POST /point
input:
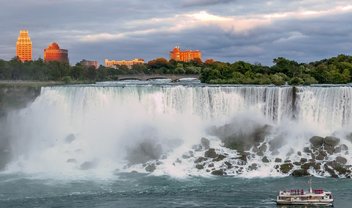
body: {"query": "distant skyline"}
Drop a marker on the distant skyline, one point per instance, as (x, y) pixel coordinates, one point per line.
(225, 30)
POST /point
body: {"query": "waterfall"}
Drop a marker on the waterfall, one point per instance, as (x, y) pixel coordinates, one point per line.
(74, 128)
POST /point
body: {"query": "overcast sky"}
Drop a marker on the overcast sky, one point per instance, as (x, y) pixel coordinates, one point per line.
(227, 30)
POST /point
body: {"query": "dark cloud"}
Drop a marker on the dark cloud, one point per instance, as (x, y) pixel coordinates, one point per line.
(255, 31)
(192, 3)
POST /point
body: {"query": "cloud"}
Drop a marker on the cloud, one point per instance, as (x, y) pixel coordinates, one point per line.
(255, 31)
(193, 3)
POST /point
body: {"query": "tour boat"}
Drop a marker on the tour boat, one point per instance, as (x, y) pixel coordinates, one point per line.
(301, 197)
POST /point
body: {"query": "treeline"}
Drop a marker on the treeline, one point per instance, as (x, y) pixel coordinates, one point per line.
(336, 70)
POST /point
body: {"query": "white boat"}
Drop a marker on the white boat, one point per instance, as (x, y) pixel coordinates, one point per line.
(301, 197)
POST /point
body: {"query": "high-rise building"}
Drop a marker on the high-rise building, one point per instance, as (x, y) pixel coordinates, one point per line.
(128, 63)
(185, 56)
(24, 46)
(54, 53)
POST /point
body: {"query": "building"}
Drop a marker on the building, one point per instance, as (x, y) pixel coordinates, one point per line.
(24, 46)
(185, 56)
(129, 64)
(54, 53)
(87, 63)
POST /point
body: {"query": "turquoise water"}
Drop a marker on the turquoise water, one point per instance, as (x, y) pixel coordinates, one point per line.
(140, 190)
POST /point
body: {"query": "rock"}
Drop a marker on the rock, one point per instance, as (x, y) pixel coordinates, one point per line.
(200, 159)
(243, 157)
(300, 173)
(262, 149)
(205, 142)
(306, 166)
(304, 160)
(321, 155)
(307, 150)
(199, 166)
(265, 159)
(219, 158)
(178, 160)
(285, 168)
(228, 164)
(253, 166)
(210, 153)
(299, 153)
(330, 171)
(297, 163)
(185, 156)
(341, 160)
(316, 141)
(278, 160)
(211, 165)
(218, 172)
(331, 141)
(340, 148)
(150, 168)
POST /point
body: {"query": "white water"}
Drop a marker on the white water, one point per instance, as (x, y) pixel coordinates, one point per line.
(109, 122)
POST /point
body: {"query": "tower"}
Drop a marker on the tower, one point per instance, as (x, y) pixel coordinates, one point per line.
(24, 46)
(54, 53)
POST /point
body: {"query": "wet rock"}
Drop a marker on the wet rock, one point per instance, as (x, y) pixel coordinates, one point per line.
(200, 159)
(228, 164)
(321, 155)
(210, 153)
(70, 138)
(243, 157)
(300, 173)
(330, 171)
(219, 158)
(314, 165)
(340, 148)
(205, 142)
(218, 172)
(199, 166)
(150, 168)
(88, 165)
(307, 150)
(287, 161)
(208, 170)
(178, 160)
(185, 156)
(253, 166)
(278, 160)
(297, 163)
(304, 160)
(285, 168)
(316, 141)
(331, 141)
(341, 160)
(265, 159)
(299, 153)
(211, 165)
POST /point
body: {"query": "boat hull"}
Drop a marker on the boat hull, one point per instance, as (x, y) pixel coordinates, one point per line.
(324, 203)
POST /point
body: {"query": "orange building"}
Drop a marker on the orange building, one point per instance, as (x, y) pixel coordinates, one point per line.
(185, 56)
(24, 46)
(128, 63)
(54, 53)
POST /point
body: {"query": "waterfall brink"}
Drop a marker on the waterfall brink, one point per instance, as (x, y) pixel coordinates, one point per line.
(100, 130)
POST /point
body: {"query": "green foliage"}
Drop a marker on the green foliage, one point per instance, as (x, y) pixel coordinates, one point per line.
(336, 70)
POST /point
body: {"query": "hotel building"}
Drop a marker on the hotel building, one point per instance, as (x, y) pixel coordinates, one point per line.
(54, 53)
(185, 56)
(128, 63)
(24, 46)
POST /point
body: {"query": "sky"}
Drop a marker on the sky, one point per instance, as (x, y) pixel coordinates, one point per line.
(256, 31)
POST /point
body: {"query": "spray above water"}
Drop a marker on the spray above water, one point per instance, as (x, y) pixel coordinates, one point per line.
(146, 128)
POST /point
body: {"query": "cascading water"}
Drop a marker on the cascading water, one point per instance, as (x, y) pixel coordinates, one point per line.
(101, 130)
